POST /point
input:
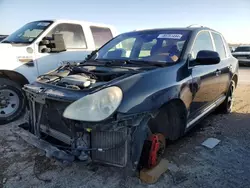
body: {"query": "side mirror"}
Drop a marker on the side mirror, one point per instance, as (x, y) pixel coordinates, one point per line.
(52, 45)
(206, 57)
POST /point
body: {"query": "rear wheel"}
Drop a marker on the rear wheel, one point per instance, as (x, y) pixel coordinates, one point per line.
(227, 106)
(12, 101)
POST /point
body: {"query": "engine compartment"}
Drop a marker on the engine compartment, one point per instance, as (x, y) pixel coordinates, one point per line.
(80, 77)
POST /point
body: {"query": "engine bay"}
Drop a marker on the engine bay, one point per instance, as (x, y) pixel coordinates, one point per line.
(80, 77)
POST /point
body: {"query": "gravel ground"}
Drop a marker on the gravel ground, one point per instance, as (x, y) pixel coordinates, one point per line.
(191, 165)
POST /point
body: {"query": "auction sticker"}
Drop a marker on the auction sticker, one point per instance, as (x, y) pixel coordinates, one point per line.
(170, 36)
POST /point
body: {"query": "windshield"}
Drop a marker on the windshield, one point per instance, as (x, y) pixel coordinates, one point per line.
(28, 33)
(156, 45)
(243, 49)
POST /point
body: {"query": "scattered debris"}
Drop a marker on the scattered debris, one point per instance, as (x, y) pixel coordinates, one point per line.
(211, 143)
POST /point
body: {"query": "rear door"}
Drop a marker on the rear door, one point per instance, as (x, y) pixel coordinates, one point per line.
(205, 82)
(224, 67)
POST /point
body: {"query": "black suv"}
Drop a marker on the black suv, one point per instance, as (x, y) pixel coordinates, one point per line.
(142, 87)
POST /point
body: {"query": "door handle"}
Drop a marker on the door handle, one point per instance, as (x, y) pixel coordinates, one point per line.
(218, 72)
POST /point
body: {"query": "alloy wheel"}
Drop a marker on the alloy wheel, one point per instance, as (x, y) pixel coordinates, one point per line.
(9, 102)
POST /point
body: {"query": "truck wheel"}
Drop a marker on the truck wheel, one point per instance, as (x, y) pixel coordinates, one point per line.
(227, 106)
(12, 101)
(170, 121)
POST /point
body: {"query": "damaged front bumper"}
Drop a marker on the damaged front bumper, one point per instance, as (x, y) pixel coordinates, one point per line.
(117, 141)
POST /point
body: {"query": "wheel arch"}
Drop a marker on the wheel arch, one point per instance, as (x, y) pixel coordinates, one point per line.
(235, 79)
(178, 102)
(14, 76)
(155, 124)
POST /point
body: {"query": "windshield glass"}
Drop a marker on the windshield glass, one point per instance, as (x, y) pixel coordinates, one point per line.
(154, 45)
(28, 33)
(243, 49)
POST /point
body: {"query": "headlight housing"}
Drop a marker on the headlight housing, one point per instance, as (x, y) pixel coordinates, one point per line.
(95, 107)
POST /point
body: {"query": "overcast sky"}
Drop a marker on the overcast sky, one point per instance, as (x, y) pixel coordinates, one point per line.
(230, 17)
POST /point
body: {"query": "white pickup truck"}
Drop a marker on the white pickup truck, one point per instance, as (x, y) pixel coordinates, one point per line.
(29, 52)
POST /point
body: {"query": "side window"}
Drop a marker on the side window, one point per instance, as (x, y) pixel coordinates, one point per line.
(73, 35)
(203, 42)
(146, 48)
(101, 35)
(219, 45)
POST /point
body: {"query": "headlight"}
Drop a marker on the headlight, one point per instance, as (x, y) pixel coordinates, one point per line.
(95, 107)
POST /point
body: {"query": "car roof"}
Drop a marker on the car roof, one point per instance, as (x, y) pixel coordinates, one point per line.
(194, 29)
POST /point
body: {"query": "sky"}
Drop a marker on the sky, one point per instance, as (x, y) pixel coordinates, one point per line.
(230, 17)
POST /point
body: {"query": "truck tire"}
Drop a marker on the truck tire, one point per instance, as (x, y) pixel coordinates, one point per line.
(227, 106)
(12, 101)
(170, 121)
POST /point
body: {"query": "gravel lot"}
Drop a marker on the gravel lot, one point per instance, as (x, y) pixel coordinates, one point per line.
(191, 165)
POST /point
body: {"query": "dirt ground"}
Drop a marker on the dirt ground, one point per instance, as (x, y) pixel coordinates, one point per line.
(191, 164)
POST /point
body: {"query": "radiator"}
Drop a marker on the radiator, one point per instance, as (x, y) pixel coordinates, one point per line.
(108, 139)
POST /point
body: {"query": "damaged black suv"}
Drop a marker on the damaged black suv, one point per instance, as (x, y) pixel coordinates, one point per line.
(120, 104)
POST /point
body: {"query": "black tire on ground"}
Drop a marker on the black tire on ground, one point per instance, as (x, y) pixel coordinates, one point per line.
(227, 106)
(170, 121)
(17, 101)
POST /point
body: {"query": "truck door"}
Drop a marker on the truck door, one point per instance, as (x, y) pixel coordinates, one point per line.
(76, 48)
(205, 82)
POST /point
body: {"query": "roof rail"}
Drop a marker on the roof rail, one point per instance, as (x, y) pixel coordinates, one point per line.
(195, 25)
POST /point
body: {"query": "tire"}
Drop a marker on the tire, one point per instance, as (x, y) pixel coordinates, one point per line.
(227, 106)
(12, 101)
(170, 121)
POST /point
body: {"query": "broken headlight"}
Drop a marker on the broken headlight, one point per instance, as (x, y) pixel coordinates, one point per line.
(95, 107)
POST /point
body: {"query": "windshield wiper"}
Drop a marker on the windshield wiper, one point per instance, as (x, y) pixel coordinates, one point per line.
(5, 41)
(11, 42)
(147, 63)
(131, 61)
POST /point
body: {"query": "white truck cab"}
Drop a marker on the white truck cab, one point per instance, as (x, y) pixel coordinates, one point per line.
(23, 59)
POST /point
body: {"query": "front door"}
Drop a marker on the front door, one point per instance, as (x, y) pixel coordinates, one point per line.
(75, 44)
(205, 77)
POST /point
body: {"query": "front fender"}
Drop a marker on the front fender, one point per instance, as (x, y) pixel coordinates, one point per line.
(155, 88)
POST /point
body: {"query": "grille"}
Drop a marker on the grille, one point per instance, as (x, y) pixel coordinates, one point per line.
(52, 116)
(116, 156)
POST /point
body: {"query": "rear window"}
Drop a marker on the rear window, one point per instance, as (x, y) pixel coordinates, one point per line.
(219, 45)
(101, 35)
(243, 49)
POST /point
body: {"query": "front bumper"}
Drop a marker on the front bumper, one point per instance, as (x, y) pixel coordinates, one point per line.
(117, 141)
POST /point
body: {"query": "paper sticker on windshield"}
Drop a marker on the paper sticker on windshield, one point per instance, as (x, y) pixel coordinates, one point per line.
(170, 36)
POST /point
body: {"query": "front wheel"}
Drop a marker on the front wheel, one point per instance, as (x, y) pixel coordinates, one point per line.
(227, 106)
(12, 101)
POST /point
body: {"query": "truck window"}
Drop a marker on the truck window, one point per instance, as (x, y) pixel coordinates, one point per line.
(203, 42)
(101, 35)
(219, 45)
(73, 35)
